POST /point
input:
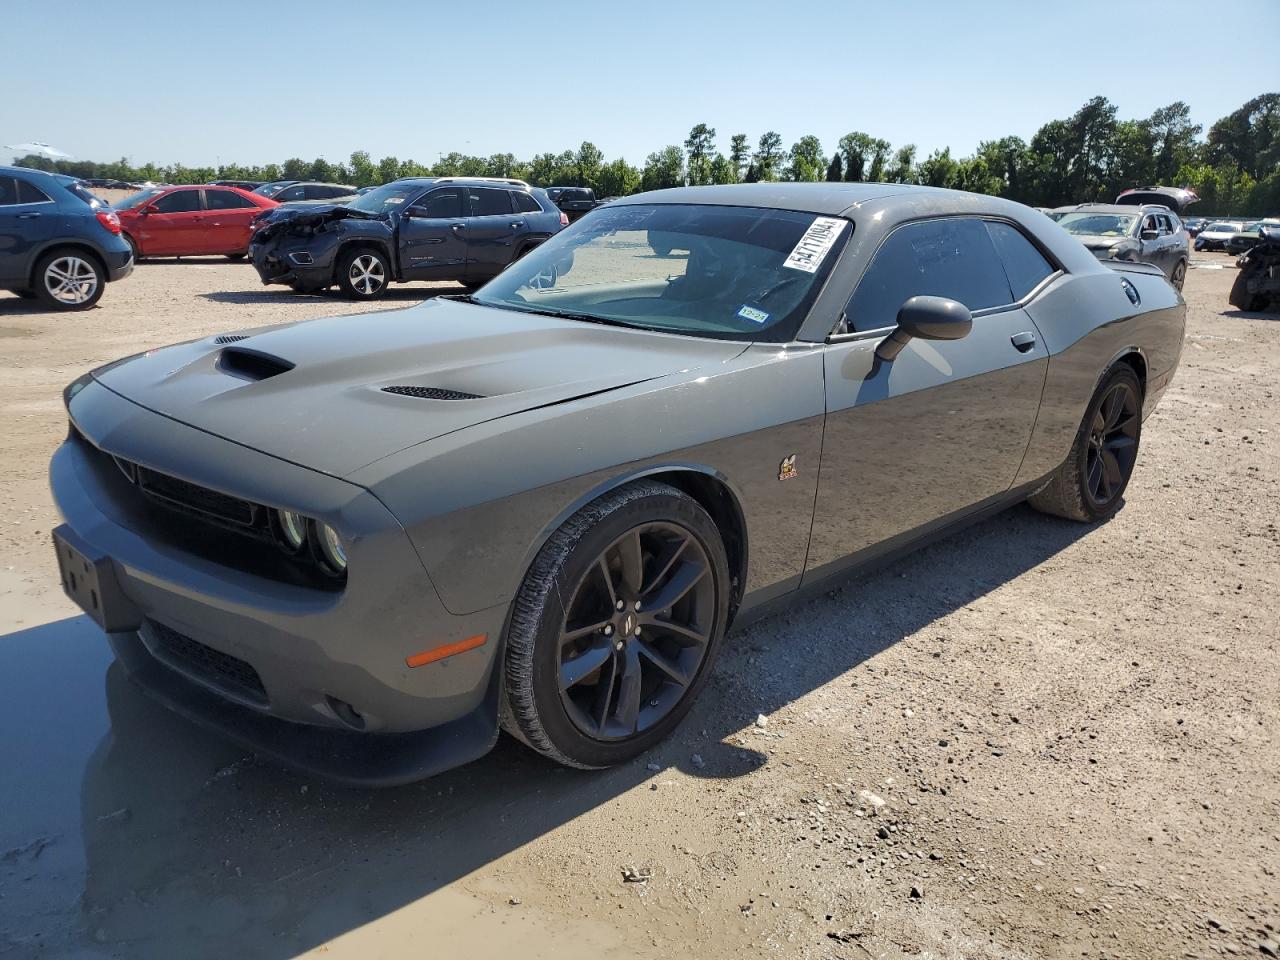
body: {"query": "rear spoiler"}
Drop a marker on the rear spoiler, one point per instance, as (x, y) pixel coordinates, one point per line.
(1133, 266)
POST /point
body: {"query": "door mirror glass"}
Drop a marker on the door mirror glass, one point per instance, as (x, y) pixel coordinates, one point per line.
(1150, 234)
(928, 318)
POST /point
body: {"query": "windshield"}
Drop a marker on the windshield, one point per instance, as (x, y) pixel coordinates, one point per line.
(385, 198)
(1222, 228)
(1097, 224)
(729, 273)
(136, 199)
(269, 190)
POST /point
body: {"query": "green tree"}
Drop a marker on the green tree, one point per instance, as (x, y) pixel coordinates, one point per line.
(321, 170)
(1249, 137)
(618, 178)
(363, 172)
(806, 160)
(1006, 161)
(721, 170)
(768, 155)
(1174, 137)
(752, 175)
(388, 169)
(699, 146)
(664, 168)
(937, 169)
(586, 166)
(856, 148)
(501, 165)
(739, 155)
(903, 168)
(295, 169)
(835, 172)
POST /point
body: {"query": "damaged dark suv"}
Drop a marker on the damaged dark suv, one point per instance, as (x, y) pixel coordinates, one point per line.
(429, 228)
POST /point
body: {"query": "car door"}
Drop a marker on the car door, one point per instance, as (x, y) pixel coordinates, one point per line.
(432, 236)
(26, 221)
(941, 429)
(227, 216)
(492, 231)
(173, 224)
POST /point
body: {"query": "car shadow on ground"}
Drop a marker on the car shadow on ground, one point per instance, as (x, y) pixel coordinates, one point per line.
(187, 841)
(1271, 314)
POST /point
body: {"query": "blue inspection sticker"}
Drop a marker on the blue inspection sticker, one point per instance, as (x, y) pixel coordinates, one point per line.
(754, 314)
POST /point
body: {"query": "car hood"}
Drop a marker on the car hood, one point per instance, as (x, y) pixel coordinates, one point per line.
(1096, 242)
(315, 394)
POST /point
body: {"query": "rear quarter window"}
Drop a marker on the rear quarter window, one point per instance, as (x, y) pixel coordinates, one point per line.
(525, 203)
(1025, 266)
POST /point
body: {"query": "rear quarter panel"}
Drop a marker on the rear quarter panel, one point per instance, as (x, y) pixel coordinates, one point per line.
(1087, 323)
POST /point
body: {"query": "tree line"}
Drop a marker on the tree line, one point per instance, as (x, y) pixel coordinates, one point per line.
(1090, 156)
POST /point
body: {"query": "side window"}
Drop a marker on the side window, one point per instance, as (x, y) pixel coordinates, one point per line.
(1149, 222)
(30, 194)
(318, 191)
(226, 200)
(8, 191)
(1024, 265)
(943, 258)
(489, 203)
(182, 201)
(442, 204)
(288, 194)
(1166, 223)
(525, 202)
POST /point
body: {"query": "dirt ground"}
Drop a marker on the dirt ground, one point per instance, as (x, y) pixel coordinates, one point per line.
(1033, 739)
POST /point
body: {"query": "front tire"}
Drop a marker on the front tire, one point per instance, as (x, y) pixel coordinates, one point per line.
(363, 273)
(69, 280)
(1179, 276)
(1091, 482)
(616, 627)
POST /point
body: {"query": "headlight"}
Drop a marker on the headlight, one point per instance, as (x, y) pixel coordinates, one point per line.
(333, 555)
(292, 529)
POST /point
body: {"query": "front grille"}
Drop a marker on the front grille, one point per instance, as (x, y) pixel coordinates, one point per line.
(200, 500)
(213, 667)
(432, 393)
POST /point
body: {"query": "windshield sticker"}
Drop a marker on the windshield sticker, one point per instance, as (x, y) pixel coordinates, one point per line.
(753, 314)
(814, 246)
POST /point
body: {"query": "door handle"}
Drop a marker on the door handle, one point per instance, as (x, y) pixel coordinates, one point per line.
(1024, 341)
(28, 216)
(455, 227)
(517, 225)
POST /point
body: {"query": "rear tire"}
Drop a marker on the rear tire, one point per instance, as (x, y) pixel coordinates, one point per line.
(363, 273)
(1179, 275)
(1090, 484)
(616, 627)
(26, 294)
(69, 280)
(133, 245)
(235, 256)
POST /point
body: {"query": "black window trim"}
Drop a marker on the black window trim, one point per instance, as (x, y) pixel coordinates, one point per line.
(1032, 294)
(28, 203)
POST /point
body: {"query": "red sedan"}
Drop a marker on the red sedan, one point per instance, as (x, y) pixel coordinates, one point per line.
(188, 221)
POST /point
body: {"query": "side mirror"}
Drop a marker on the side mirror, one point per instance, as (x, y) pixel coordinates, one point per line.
(1150, 234)
(929, 318)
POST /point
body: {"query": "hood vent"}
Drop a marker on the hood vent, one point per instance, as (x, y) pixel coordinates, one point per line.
(252, 364)
(432, 393)
(231, 338)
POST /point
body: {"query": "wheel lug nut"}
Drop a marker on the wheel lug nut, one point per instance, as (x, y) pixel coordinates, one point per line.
(621, 604)
(608, 630)
(636, 631)
(637, 605)
(618, 645)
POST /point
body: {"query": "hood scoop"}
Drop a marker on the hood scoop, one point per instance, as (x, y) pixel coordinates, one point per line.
(231, 338)
(432, 393)
(251, 364)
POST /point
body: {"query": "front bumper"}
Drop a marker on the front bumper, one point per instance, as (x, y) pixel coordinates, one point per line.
(273, 661)
(271, 258)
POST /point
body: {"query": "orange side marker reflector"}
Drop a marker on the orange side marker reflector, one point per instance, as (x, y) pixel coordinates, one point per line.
(448, 650)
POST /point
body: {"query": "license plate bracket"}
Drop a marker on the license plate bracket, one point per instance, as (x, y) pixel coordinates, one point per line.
(89, 579)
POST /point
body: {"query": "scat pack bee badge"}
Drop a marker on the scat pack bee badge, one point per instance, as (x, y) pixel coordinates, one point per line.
(787, 468)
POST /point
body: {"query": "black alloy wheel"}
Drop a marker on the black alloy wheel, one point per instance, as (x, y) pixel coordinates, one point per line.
(1113, 443)
(616, 627)
(636, 631)
(1179, 276)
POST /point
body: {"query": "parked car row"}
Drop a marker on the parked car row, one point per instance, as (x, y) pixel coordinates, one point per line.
(1141, 226)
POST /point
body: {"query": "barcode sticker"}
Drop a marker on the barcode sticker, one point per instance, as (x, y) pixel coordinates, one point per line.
(816, 243)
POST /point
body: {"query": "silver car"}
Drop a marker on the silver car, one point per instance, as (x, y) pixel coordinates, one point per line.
(361, 544)
(1147, 234)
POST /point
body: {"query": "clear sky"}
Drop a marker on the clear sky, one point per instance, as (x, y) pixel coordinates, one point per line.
(261, 82)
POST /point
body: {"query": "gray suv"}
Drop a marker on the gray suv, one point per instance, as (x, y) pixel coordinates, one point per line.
(1152, 234)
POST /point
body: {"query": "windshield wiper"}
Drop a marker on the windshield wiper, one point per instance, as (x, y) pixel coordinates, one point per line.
(570, 315)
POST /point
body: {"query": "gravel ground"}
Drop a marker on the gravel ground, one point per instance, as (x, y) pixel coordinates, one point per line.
(1033, 739)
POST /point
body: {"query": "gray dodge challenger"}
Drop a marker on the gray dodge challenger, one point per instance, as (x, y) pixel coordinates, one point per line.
(361, 545)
